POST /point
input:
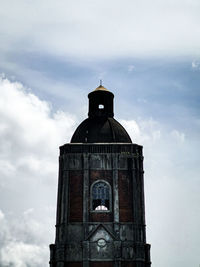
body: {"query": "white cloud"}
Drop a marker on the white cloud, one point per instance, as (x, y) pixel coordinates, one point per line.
(30, 134)
(132, 128)
(101, 28)
(15, 250)
(131, 68)
(178, 136)
(26, 122)
(171, 165)
(1, 215)
(19, 254)
(195, 65)
(142, 131)
(25, 239)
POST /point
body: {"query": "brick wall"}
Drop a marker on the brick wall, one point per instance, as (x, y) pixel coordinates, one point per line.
(125, 196)
(75, 196)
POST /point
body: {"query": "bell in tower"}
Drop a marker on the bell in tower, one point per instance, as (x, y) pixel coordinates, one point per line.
(100, 205)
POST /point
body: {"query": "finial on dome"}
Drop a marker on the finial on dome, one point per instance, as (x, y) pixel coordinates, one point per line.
(101, 87)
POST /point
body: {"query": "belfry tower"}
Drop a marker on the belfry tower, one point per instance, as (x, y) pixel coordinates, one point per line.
(100, 206)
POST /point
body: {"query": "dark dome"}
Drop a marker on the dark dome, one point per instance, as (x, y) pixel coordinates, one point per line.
(100, 127)
(100, 130)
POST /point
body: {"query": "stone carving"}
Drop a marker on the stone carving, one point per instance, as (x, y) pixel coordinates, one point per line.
(128, 252)
(117, 249)
(74, 252)
(60, 254)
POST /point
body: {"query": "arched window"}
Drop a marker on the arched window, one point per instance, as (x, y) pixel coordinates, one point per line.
(100, 196)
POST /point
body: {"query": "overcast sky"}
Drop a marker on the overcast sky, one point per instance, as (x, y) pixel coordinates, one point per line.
(52, 54)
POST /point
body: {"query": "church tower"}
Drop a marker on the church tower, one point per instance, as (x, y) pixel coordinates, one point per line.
(100, 205)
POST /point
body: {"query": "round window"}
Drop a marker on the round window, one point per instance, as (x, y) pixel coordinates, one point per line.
(101, 243)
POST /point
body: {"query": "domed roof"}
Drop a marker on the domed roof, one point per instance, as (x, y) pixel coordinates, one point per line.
(100, 127)
(100, 130)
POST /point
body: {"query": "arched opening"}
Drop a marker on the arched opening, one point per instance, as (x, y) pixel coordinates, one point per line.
(101, 106)
(101, 196)
(101, 207)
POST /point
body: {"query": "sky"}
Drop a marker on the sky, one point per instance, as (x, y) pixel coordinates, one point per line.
(52, 54)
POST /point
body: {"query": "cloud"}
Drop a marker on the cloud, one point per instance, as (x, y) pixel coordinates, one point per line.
(101, 29)
(15, 250)
(142, 131)
(26, 122)
(30, 134)
(195, 65)
(179, 136)
(19, 254)
(171, 165)
(131, 68)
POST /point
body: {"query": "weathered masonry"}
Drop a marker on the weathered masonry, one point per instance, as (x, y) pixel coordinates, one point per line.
(100, 206)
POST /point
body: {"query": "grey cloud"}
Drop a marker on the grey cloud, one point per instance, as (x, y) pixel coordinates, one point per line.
(104, 29)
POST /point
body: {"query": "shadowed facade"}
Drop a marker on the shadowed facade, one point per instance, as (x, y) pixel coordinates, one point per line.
(100, 205)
